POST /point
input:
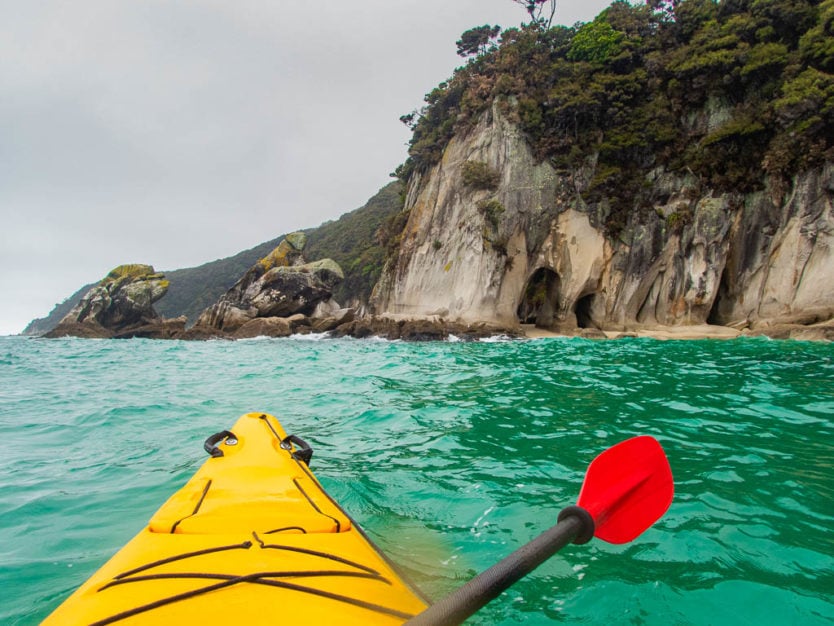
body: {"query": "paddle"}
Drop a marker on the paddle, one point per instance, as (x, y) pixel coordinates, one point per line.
(627, 488)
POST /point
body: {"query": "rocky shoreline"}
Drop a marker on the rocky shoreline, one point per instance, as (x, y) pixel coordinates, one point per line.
(427, 329)
(774, 330)
(358, 328)
(283, 295)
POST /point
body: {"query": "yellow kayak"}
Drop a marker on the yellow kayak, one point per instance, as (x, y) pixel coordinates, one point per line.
(251, 539)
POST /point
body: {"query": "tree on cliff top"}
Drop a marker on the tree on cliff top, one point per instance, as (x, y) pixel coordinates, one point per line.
(631, 90)
(536, 8)
(476, 40)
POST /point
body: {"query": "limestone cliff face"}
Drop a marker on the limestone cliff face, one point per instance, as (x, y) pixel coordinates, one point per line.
(452, 260)
(525, 247)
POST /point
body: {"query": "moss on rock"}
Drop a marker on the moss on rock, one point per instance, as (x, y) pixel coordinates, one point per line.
(131, 270)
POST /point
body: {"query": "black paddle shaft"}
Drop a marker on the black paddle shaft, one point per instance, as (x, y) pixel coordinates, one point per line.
(575, 525)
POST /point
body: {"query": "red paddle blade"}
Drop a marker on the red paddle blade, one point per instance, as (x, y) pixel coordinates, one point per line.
(627, 489)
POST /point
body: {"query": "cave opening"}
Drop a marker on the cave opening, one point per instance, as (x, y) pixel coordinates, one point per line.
(717, 314)
(540, 298)
(583, 308)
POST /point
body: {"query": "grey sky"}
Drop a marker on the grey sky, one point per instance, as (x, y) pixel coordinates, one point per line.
(175, 133)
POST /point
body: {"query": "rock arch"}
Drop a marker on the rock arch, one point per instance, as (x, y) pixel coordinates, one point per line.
(540, 298)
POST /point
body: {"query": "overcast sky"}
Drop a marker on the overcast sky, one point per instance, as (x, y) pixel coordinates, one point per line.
(175, 133)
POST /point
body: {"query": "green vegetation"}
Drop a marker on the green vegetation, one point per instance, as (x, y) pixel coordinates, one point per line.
(596, 42)
(729, 91)
(479, 175)
(477, 40)
(680, 217)
(492, 210)
(130, 270)
(360, 242)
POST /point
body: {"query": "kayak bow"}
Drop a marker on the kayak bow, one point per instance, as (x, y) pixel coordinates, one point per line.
(252, 535)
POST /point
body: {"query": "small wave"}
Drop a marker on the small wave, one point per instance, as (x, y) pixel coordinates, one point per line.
(497, 339)
(309, 336)
(376, 339)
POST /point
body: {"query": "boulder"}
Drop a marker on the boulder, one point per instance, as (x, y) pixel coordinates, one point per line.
(425, 330)
(286, 254)
(88, 330)
(326, 324)
(162, 329)
(264, 327)
(298, 322)
(281, 284)
(591, 333)
(816, 332)
(811, 332)
(202, 333)
(285, 291)
(420, 329)
(383, 327)
(121, 302)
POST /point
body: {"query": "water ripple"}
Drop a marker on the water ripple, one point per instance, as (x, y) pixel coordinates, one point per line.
(450, 455)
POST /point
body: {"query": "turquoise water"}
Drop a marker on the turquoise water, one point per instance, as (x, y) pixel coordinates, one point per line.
(450, 455)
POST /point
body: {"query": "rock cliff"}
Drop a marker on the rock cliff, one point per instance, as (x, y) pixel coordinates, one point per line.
(516, 243)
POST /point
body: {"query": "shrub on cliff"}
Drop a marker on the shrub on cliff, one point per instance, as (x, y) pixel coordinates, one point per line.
(479, 175)
(492, 210)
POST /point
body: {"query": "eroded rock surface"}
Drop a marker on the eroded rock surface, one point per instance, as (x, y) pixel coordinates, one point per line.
(120, 305)
(280, 285)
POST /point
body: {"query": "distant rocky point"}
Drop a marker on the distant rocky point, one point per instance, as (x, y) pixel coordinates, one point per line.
(279, 295)
(120, 306)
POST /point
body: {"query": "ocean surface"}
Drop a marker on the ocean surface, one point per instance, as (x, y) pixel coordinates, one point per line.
(450, 455)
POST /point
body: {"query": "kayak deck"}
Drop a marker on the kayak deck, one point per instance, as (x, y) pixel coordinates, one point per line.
(252, 538)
